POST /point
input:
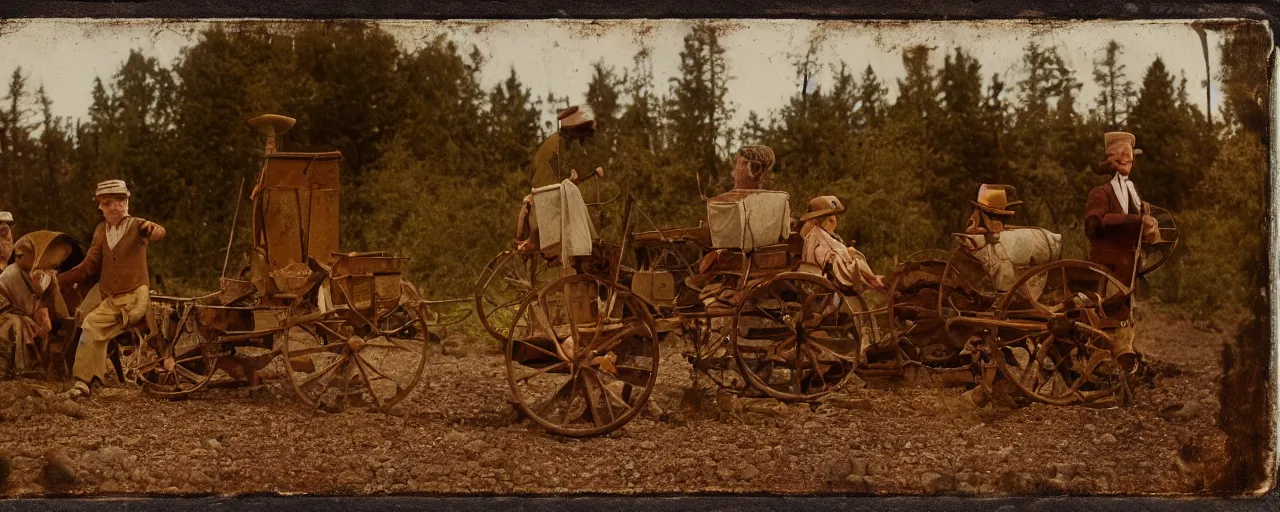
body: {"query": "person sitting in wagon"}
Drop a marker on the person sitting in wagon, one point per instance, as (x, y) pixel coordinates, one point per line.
(26, 293)
(548, 170)
(117, 260)
(843, 265)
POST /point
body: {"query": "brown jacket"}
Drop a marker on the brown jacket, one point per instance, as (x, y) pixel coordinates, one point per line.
(1113, 234)
(117, 271)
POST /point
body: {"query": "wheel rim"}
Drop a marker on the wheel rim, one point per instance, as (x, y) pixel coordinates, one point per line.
(183, 359)
(503, 284)
(795, 337)
(330, 366)
(572, 377)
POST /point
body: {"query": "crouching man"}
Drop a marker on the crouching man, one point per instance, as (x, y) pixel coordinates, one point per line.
(117, 261)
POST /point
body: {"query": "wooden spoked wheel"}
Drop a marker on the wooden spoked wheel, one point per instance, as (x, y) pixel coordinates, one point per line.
(1058, 349)
(329, 365)
(177, 358)
(588, 359)
(795, 337)
(914, 317)
(710, 353)
(504, 284)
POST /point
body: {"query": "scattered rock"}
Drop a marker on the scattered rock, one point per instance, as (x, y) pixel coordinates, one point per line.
(1107, 438)
(1090, 427)
(492, 458)
(42, 392)
(58, 471)
(475, 447)
(749, 472)
(1182, 411)
(648, 445)
(840, 471)
(455, 437)
(1066, 471)
(724, 471)
(859, 468)
(6, 467)
(68, 408)
(212, 444)
(938, 483)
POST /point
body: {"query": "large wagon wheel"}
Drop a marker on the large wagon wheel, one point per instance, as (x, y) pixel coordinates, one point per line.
(795, 336)
(338, 358)
(504, 283)
(589, 360)
(1056, 314)
(914, 317)
(180, 357)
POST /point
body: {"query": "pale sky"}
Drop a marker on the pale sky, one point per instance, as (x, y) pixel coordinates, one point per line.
(556, 55)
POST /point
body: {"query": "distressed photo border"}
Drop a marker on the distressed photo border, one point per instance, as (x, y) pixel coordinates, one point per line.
(1254, 364)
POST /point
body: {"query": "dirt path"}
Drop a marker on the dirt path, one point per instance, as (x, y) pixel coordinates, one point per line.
(455, 436)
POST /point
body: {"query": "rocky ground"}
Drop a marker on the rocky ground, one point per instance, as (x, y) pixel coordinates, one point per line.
(456, 436)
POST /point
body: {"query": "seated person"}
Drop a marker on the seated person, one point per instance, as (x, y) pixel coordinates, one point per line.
(26, 294)
(548, 168)
(845, 266)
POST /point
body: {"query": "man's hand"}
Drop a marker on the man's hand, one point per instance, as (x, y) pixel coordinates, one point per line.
(151, 231)
(43, 324)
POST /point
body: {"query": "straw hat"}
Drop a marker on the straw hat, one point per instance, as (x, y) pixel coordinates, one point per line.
(574, 118)
(6, 217)
(822, 206)
(1113, 138)
(997, 199)
(111, 187)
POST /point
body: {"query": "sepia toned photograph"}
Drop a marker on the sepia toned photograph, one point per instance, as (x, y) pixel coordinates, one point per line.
(635, 257)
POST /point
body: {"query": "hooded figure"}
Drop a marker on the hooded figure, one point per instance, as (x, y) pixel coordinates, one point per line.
(845, 266)
(28, 290)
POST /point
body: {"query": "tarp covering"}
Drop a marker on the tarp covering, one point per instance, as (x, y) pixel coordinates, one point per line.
(1014, 250)
(563, 219)
(747, 219)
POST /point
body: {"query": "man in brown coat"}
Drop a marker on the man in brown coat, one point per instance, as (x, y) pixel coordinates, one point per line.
(117, 260)
(1115, 216)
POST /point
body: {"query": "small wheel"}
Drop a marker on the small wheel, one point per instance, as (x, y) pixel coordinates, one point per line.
(795, 336)
(587, 361)
(504, 283)
(913, 313)
(1156, 254)
(329, 365)
(180, 359)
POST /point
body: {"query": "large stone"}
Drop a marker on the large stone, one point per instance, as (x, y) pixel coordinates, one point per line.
(58, 470)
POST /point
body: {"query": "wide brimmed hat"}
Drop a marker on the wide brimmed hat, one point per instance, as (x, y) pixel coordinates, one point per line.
(1111, 138)
(6, 217)
(111, 187)
(997, 199)
(822, 206)
(575, 118)
(53, 250)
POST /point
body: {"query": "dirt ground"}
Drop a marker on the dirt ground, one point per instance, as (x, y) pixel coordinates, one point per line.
(455, 435)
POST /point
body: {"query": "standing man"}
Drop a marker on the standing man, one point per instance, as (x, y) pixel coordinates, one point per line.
(117, 260)
(6, 238)
(548, 167)
(1115, 215)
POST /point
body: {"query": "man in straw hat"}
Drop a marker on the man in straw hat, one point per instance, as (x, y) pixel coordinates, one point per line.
(6, 238)
(117, 260)
(992, 210)
(844, 265)
(1115, 215)
(548, 166)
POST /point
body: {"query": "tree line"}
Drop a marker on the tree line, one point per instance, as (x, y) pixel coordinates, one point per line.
(435, 161)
